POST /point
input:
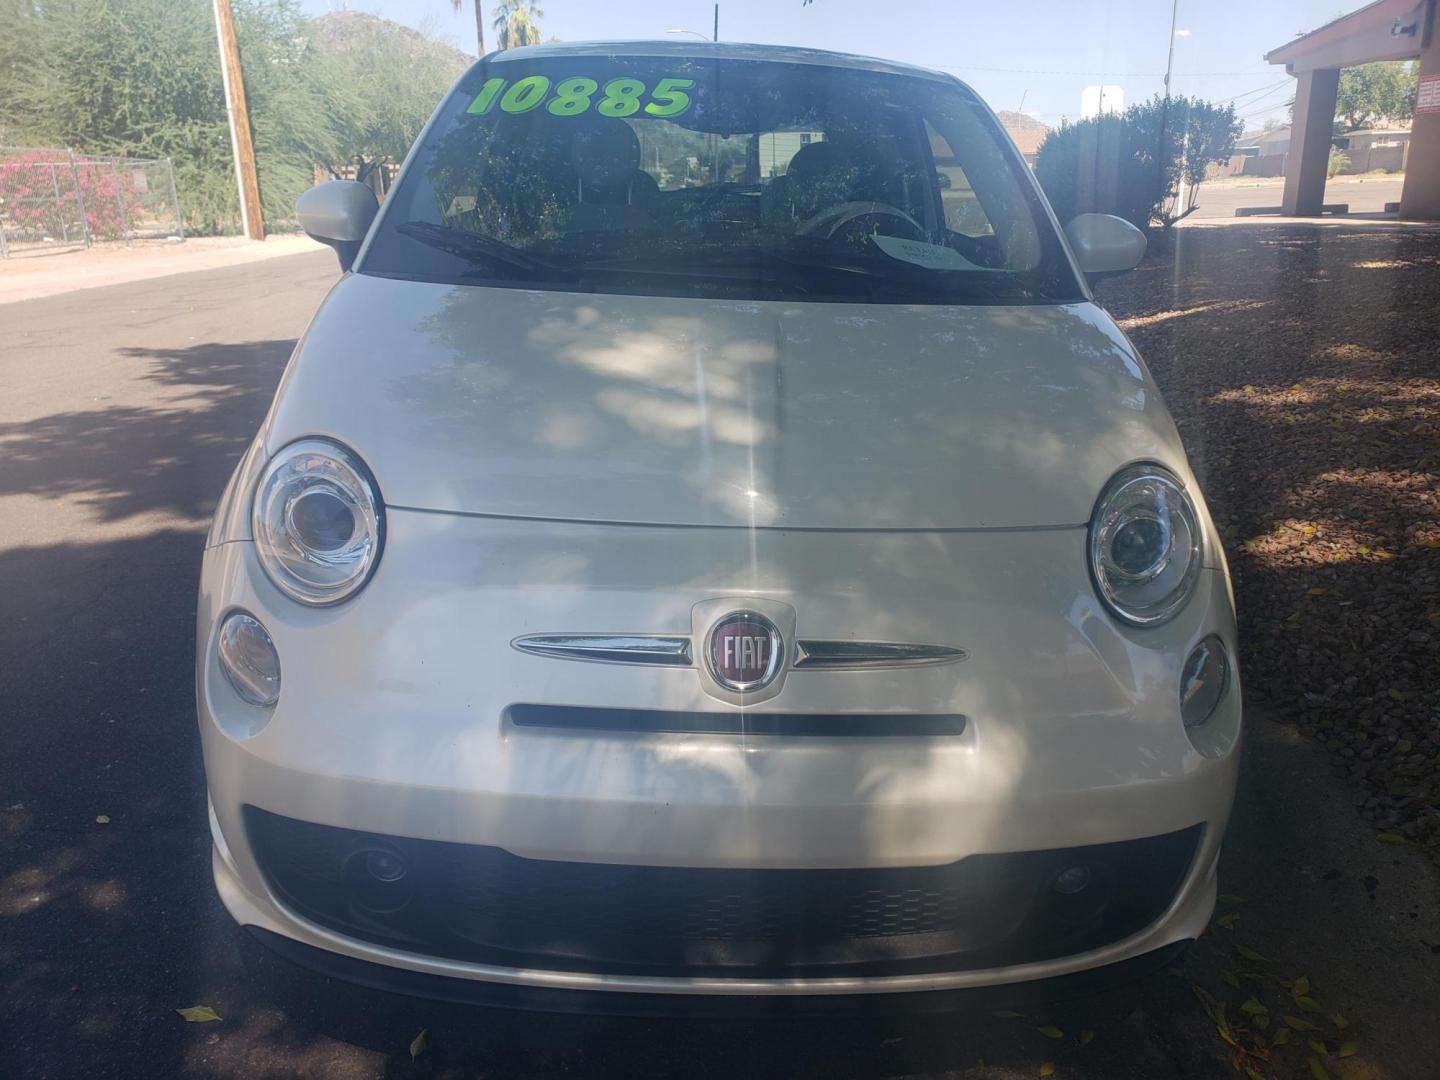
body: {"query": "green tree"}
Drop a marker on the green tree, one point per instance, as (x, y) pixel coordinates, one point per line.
(387, 80)
(516, 23)
(141, 78)
(1131, 164)
(296, 113)
(1372, 93)
(1207, 134)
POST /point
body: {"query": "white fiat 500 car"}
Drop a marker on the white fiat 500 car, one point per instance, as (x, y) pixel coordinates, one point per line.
(710, 542)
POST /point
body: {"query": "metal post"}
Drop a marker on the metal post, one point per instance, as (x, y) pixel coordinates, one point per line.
(1170, 60)
(717, 23)
(175, 199)
(1165, 107)
(80, 198)
(59, 205)
(120, 204)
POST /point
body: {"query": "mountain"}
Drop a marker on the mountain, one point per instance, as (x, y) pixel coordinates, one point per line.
(356, 31)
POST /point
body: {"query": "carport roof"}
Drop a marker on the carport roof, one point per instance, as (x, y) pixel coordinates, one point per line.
(1360, 37)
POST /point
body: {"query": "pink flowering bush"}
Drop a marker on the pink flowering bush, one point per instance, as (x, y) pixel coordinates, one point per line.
(29, 203)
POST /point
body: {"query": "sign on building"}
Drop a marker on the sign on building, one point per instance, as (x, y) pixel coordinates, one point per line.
(1427, 98)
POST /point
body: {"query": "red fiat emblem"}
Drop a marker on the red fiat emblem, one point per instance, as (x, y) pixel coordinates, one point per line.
(745, 651)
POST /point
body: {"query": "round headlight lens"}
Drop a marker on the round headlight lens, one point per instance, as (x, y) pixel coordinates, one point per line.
(1145, 545)
(249, 660)
(318, 522)
(1203, 681)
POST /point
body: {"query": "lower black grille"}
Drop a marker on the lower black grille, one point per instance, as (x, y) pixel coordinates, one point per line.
(486, 905)
(735, 722)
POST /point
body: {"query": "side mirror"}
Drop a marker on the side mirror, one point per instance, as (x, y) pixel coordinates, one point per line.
(1105, 244)
(338, 213)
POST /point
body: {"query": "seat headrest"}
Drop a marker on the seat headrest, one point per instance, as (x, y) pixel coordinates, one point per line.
(606, 154)
(815, 159)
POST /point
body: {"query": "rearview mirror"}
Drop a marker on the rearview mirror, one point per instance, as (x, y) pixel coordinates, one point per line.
(1105, 244)
(338, 213)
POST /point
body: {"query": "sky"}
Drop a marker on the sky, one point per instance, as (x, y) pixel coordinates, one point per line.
(1031, 55)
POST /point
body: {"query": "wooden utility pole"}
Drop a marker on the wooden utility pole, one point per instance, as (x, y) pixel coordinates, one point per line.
(251, 219)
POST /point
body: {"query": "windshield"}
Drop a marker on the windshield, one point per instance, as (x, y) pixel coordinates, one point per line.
(683, 176)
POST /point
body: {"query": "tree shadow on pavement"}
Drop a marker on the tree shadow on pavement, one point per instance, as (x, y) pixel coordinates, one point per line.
(172, 455)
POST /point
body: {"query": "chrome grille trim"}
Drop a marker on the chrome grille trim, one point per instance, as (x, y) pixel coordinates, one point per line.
(663, 650)
(856, 655)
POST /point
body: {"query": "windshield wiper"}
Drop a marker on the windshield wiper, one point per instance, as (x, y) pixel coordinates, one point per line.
(470, 245)
(901, 276)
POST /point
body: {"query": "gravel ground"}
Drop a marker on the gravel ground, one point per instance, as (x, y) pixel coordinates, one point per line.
(1303, 367)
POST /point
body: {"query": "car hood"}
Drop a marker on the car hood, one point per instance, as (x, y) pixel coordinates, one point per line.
(724, 413)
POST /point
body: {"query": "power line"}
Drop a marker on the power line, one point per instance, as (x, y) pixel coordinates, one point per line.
(1261, 111)
(1262, 91)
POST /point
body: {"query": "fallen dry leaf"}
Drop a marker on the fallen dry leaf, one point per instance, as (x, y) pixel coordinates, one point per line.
(199, 1014)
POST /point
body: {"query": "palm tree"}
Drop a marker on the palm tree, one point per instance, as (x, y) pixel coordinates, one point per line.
(479, 25)
(516, 23)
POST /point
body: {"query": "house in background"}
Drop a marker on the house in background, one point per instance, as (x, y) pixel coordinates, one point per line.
(1368, 150)
(1027, 132)
(1263, 153)
(1259, 153)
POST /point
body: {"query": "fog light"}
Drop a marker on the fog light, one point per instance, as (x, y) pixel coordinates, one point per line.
(379, 878)
(385, 865)
(249, 660)
(1080, 894)
(1203, 681)
(1069, 882)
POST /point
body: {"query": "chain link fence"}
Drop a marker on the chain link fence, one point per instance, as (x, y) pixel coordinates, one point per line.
(56, 198)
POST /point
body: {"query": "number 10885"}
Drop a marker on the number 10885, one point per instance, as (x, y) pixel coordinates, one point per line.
(578, 95)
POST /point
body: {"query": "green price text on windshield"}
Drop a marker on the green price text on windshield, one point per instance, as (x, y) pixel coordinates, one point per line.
(578, 95)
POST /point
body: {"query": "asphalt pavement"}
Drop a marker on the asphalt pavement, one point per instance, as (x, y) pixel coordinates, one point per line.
(122, 411)
(1219, 199)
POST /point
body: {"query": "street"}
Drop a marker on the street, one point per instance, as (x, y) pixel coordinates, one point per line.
(1219, 199)
(122, 411)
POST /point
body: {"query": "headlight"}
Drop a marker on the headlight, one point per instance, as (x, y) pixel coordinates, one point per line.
(1144, 545)
(318, 522)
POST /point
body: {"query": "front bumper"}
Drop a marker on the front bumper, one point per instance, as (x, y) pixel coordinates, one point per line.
(394, 721)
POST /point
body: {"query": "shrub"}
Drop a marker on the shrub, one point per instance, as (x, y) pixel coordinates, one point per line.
(1339, 161)
(1131, 164)
(29, 203)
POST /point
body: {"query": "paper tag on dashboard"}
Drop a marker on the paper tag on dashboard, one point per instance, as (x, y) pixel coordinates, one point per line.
(930, 256)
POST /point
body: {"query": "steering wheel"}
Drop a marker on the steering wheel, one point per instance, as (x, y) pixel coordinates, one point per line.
(829, 223)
